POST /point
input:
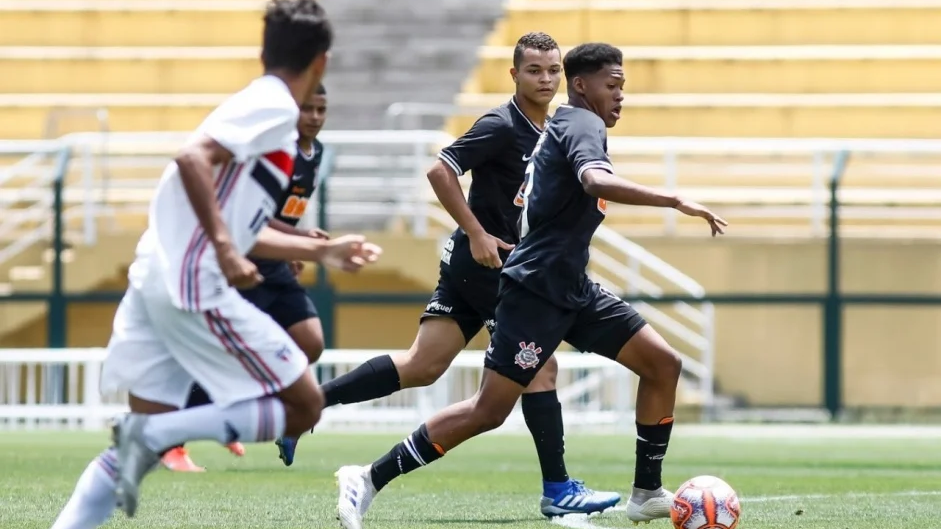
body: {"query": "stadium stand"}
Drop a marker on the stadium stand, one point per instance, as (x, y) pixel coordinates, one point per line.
(729, 99)
(754, 69)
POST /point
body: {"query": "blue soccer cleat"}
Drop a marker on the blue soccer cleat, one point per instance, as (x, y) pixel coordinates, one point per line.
(573, 497)
(286, 447)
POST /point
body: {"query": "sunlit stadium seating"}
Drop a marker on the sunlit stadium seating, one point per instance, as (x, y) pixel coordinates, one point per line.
(753, 69)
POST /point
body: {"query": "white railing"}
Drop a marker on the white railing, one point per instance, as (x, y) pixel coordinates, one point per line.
(625, 268)
(595, 392)
(717, 5)
(619, 265)
(115, 173)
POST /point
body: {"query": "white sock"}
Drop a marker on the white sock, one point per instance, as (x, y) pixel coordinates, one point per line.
(250, 422)
(93, 500)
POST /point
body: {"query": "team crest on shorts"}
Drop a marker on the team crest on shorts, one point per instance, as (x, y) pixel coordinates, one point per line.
(284, 354)
(528, 357)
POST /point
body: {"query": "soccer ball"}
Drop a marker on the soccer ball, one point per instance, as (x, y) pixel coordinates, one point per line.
(705, 502)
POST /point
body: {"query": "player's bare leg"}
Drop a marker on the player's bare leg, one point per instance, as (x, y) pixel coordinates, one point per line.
(649, 356)
(308, 335)
(447, 429)
(439, 340)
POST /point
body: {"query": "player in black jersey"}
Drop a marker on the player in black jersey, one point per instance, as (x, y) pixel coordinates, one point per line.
(546, 297)
(280, 295)
(496, 150)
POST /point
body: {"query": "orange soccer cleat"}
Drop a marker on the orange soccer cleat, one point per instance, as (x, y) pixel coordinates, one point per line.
(236, 448)
(178, 460)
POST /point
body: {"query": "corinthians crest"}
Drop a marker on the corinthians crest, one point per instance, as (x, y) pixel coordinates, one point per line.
(528, 357)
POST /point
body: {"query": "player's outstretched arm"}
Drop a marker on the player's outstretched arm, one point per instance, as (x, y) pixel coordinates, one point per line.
(600, 183)
(195, 162)
(349, 252)
(284, 227)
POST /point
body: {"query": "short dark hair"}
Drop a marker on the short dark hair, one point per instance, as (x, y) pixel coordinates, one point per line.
(296, 31)
(532, 41)
(590, 58)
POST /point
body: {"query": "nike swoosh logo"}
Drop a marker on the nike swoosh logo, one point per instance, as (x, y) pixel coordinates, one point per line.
(527, 158)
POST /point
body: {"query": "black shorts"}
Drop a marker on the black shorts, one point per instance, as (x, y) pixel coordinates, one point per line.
(469, 300)
(286, 303)
(530, 328)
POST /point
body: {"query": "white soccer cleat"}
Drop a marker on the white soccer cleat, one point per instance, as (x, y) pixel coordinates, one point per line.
(356, 494)
(135, 460)
(647, 505)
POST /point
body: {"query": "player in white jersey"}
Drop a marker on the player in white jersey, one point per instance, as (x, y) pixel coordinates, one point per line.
(182, 319)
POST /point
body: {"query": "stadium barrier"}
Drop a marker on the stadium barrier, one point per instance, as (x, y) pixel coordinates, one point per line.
(596, 393)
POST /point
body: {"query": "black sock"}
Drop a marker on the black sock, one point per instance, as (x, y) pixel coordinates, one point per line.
(372, 380)
(543, 414)
(652, 441)
(414, 452)
(198, 397)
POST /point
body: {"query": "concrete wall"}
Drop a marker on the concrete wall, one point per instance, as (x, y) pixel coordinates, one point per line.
(400, 50)
(767, 355)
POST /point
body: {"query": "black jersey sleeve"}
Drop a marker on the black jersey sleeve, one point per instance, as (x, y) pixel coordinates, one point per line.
(585, 143)
(489, 136)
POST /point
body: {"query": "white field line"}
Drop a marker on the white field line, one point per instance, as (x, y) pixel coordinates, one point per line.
(581, 521)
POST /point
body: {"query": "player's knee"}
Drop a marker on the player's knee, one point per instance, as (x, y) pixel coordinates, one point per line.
(667, 366)
(488, 418)
(314, 348)
(429, 373)
(420, 369)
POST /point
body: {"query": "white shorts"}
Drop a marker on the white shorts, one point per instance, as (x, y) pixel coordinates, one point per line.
(235, 351)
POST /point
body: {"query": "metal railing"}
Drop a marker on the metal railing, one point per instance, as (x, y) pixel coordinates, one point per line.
(58, 389)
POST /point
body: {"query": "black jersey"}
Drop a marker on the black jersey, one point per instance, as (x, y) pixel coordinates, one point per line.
(559, 218)
(292, 207)
(496, 150)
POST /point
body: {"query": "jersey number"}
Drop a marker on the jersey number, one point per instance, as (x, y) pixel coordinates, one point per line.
(294, 207)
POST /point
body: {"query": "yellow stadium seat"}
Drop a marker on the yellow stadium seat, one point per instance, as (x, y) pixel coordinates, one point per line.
(754, 69)
(130, 26)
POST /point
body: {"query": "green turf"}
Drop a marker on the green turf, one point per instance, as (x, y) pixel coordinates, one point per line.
(492, 481)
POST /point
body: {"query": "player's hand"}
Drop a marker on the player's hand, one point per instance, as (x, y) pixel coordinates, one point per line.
(350, 253)
(296, 267)
(239, 271)
(318, 233)
(698, 210)
(485, 249)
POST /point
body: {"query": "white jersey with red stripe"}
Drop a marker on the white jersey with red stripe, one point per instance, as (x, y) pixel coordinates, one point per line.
(258, 125)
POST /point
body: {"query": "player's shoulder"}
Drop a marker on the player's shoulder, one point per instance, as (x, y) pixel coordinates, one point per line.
(567, 117)
(265, 98)
(497, 119)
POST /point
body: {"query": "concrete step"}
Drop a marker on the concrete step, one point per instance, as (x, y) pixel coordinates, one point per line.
(754, 69)
(735, 23)
(128, 70)
(893, 115)
(145, 24)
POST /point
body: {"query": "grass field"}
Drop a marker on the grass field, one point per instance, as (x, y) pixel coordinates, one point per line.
(808, 478)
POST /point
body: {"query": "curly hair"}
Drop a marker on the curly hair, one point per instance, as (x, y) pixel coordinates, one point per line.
(532, 41)
(590, 58)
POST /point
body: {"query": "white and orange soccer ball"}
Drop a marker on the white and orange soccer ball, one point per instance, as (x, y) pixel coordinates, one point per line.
(705, 502)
